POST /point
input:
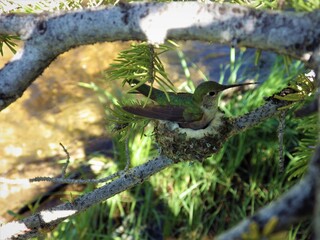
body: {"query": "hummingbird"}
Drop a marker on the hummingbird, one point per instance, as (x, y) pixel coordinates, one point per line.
(194, 111)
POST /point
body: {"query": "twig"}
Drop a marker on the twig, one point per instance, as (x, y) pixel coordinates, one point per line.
(127, 155)
(63, 172)
(76, 181)
(258, 115)
(281, 127)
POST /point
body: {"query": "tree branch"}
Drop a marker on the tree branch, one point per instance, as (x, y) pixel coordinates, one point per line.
(293, 207)
(48, 35)
(258, 115)
(46, 220)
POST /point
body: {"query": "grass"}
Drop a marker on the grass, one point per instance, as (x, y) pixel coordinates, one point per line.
(194, 200)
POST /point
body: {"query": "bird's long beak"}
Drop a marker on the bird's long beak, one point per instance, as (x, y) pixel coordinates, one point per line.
(237, 85)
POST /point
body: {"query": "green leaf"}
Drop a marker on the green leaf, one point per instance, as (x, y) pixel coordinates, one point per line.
(8, 40)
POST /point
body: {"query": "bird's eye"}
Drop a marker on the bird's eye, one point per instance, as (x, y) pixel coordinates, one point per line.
(212, 93)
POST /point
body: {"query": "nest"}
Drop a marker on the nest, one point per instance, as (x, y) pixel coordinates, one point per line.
(184, 144)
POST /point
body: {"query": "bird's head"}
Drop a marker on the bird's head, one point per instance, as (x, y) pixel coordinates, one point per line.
(209, 91)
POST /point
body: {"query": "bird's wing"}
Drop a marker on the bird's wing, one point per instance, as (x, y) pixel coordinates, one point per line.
(168, 113)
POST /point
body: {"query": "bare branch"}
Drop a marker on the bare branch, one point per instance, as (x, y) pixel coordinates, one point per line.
(48, 219)
(64, 168)
(48, 35)
(292, 207)
(269, 109)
